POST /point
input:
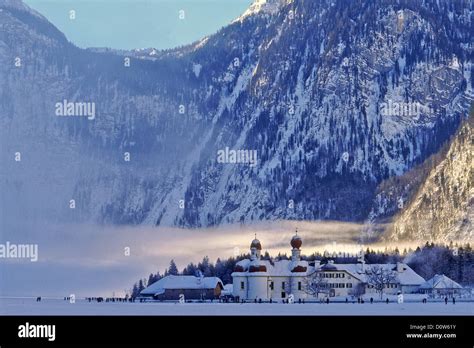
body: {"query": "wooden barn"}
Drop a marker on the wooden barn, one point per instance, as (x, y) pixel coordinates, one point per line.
(171, 287)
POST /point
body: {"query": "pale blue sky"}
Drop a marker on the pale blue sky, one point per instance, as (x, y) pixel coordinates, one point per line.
(127, 24)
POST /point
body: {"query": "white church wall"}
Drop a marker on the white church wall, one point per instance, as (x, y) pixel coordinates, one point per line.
(239, 290)
(279, 288)
(258, 287)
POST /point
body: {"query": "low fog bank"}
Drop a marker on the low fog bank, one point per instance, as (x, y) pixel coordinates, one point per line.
(92, 260)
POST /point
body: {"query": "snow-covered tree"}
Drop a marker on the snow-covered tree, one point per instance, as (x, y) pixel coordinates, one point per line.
(315, 284)
(380, 277)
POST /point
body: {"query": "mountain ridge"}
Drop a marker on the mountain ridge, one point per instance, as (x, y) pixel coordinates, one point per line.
(302, 88)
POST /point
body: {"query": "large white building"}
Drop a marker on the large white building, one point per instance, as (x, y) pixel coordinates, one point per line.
(257, 279)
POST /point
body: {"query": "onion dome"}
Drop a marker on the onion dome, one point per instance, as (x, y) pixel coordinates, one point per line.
(296, 242)
(256, 244)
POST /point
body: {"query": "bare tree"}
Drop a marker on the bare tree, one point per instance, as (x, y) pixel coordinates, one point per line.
(314, 284)
(380, 277)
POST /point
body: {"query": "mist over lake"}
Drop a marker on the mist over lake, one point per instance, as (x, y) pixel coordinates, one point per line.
(91, 260)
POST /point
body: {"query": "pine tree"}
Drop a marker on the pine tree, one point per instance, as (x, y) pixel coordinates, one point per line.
(158, 276)
(135, 291)
(141, 285)
(205, 267)
(151, 279)
(173, 269)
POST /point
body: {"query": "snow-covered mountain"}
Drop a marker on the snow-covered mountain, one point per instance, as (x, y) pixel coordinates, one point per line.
(314, 87)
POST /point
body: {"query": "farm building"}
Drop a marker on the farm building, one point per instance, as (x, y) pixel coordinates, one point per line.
(441, 285)
(193, 288)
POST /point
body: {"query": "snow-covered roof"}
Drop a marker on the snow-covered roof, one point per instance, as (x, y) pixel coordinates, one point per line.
(440, 281)
(181, 282)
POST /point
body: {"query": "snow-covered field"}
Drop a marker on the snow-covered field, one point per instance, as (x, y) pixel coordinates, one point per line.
(28, 306)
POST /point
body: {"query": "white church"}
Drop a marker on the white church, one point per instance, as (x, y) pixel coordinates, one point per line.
(257, 279)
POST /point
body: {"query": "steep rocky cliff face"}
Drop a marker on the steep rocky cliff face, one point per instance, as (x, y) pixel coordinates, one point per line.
(443, 207)
(311, 86)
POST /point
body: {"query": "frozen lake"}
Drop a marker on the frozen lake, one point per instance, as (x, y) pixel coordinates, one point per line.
(18, 306)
